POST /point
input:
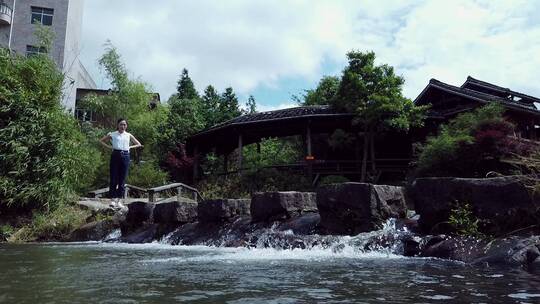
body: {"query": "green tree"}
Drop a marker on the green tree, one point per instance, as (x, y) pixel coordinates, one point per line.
(251, 105)
(373, 93)
(210, 103)
(128, 98)
(324, 93)
(184, 119)
(228, 106)
(185, 88)
(188, 113)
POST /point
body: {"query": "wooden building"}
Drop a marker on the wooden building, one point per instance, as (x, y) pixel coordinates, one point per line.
(447, 101)
(394, 149)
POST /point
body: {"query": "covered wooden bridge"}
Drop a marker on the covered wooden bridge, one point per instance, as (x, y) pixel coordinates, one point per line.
(305, 122)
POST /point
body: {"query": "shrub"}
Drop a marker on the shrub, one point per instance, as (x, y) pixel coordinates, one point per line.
(464, 221)
(471, 145)
(252, 181)
(44, 158)
(222, 187)
(146, 175)
(5, 232)
(273, 151)
(270, 179)
(179, 165)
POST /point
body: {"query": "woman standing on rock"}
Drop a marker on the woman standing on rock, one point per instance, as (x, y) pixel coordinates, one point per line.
(119, 165)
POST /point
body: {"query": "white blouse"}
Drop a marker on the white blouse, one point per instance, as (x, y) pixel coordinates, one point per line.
(120, 141)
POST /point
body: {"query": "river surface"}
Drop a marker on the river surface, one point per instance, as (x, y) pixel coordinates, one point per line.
(161, 273)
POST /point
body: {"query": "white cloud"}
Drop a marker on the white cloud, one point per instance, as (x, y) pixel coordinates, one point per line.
(448, 40)
(250, 44)
(241, 44)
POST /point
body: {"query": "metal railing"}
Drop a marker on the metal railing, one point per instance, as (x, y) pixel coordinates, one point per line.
(179, 190)
(6, 9)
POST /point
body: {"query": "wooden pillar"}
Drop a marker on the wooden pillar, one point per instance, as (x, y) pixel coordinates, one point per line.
(179, 194)
(309, 158)
(308, 140)
(226, 163)
(195, 163)
(259, 147)
(240, 152)
(533, 131)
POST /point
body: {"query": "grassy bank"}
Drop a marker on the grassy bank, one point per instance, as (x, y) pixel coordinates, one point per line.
(41, 226)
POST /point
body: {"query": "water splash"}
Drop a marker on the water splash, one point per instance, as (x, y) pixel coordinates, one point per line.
(114, 235)
(275, 242)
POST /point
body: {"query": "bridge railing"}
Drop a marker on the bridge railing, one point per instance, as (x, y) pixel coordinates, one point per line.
(337, 166)
(180, 189)
(153, 193)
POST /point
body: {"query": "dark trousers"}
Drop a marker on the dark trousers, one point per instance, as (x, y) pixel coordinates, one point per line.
(118, 168)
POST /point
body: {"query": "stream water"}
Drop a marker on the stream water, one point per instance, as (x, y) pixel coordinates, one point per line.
(161, 273)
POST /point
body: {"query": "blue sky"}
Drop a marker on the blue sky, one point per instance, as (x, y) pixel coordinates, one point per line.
(275, 49)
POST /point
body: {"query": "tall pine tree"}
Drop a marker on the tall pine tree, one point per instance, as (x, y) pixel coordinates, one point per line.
(210, 104)
(228, 106)
(185, 88)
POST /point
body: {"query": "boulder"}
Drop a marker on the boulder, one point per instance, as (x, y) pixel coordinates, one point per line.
(95, 205)
(144, 234)
(458, 248)
(503, 204)
(175, 212)
(301, 225)
(511, 251)
(138, 214)
(516, 251)
(266, 206)
(220, 210)
(94, 231)
(351, 208)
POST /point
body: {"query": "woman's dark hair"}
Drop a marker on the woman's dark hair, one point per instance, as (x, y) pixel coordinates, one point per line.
(120, 120)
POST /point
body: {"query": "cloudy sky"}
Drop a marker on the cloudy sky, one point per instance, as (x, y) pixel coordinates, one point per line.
(276, 49)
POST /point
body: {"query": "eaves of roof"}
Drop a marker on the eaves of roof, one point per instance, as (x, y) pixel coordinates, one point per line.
(491, 86)
(474, 95)
(251, 122)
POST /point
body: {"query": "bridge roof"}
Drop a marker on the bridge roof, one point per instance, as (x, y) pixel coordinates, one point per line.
(278, 123)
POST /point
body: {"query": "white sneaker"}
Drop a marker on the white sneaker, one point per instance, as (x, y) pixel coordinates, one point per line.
(120, 205)
(114, 203)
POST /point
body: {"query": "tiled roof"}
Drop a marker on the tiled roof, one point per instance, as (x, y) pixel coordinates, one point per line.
(478, 96)
(290, 113)
(507, 91)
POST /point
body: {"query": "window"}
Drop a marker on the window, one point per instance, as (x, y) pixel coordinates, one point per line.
(34, 50)
(85, 115)
(42, 15)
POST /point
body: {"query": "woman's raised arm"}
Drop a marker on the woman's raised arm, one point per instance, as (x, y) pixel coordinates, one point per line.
(137, 143)
(105, 140)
